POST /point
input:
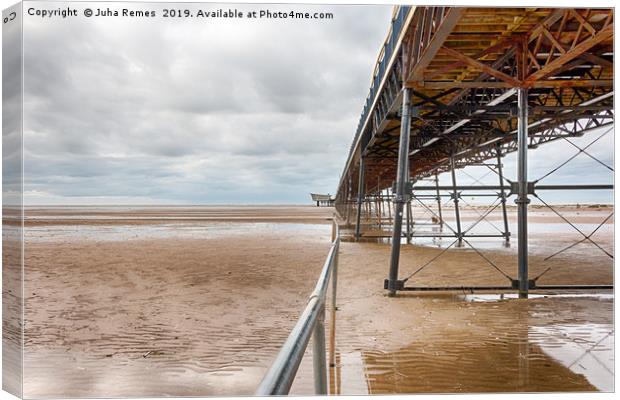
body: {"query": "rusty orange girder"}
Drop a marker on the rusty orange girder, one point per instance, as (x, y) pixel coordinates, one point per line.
(460, 62)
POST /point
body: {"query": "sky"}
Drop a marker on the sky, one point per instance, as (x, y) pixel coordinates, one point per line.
(217, 111)
(204, 111)
(582, 169)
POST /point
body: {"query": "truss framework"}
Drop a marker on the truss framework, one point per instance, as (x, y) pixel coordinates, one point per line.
(464, 86)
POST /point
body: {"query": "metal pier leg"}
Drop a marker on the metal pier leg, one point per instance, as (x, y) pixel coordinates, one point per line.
(378, 203)
(522, 199)
(375, 213)
(318, 355)
(401, 188)
(408, 197)
(502, 193)
(457, 212)
(360, 198)
(408, 221)
(409, 204)
(349, 207)
(389, 206)
(373, 209)
(439, 203)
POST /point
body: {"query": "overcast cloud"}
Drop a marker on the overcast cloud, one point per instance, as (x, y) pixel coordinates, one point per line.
(194, 111)
(208, 111)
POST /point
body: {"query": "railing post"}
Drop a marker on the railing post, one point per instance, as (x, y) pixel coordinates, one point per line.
(318, 355)
(280, 376)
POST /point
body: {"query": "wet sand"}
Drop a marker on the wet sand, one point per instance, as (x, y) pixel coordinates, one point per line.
(457, 342)
(461, 343)
(110, 314)
(174, 214)
(155, 305)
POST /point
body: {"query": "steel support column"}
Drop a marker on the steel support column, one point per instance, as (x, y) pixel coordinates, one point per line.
(389, 206)
(409, 221)
(349, 201)
(439, 203)
(502, 193)
(455, 194)
(522, 199)
(360, 198)
(378, 203)
(401, 195)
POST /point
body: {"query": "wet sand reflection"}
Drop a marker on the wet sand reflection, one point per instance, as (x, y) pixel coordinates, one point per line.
(146, 308)
(507, 346)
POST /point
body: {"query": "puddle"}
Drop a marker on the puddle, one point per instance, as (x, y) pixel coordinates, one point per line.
(54, 233)
(351, 375)
(544, 239)
(508, 296)
(560, 343)
(587, 350)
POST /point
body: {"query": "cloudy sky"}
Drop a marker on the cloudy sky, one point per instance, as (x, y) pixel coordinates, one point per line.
(194, 111)
(125, 110)
(541, 161)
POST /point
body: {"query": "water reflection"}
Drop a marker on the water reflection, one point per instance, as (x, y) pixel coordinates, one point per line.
(481, 297)
(510, 346)
(349, 375)
(584, 349)
(441, 238)
(54, 233)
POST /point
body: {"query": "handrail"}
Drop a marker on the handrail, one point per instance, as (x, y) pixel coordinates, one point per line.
(279, 378)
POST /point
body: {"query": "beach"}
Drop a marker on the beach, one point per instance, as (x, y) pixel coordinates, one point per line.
(196, 301)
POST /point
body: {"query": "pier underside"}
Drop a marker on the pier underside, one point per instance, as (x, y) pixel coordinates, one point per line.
(463, 87)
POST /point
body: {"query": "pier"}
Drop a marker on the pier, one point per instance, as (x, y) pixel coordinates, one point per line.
(454, 89)
(459, 87)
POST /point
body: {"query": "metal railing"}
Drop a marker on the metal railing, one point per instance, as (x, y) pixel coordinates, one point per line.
(279, 378)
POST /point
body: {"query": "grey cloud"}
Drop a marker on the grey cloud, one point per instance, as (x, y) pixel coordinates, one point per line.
(195, 112)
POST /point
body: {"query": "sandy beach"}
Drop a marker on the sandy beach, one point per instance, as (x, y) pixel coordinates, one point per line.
(197, 301)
